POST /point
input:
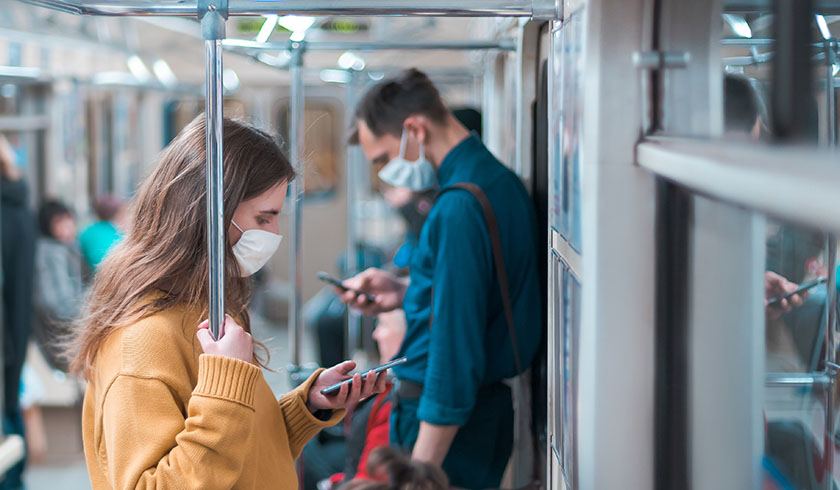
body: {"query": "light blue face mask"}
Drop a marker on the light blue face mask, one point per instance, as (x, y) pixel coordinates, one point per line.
(417, 176)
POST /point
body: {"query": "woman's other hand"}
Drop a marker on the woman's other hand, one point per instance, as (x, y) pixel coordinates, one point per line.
(235, 341)
(349, 394)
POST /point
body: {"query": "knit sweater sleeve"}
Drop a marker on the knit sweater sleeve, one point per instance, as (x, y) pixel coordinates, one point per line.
(147, 440)
(301, 425)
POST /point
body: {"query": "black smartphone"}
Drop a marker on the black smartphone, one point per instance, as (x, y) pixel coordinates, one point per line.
(334, 388)
(802, 288)
(335, 282)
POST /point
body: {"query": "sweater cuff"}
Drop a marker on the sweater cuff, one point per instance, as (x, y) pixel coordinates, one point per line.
(306, 425)
(227, 378)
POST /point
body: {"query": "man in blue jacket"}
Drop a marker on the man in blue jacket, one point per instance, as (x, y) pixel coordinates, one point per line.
(451, 405)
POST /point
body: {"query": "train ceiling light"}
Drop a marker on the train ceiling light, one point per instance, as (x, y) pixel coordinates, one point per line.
(350, 61)
(267, 28)
(164, 73)
(138, 69)
(298, 25)
(823, 25)
(740, 27)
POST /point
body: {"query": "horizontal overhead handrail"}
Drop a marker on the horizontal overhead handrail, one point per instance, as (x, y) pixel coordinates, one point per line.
(745, 41)
(792, 380)
(825, 7)
(539, 9)
(794, 183)
(506, 45)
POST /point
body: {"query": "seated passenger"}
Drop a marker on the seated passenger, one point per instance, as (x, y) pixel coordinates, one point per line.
(97, 239)
(167, 405)
(369, 424)
(452, 407)
(392, 471)
(58, 280)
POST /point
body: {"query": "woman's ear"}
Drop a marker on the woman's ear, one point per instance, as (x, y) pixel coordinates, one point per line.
(233, 234)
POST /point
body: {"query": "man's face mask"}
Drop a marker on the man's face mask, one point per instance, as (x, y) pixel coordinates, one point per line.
(417, 176)
(254, 248)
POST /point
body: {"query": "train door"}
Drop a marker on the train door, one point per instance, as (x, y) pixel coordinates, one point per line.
(564, 90)
(539, 155)
(24, 119)
(709, 187)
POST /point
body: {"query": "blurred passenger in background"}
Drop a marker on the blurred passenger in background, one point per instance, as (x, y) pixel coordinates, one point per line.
(742, 109)
(414, 207)
(390, 470)
(97, 239)
(743, 121)
(17, 225)
(333, 461)
(58, 280)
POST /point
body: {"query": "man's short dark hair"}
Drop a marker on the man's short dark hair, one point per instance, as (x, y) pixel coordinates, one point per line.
(740, 104)
(386, 106)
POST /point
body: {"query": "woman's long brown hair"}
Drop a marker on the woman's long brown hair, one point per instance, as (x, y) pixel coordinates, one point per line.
(164, 254)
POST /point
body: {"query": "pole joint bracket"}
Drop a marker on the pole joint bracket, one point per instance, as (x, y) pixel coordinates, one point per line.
(213, 14)
(296, 50)
(546, 9)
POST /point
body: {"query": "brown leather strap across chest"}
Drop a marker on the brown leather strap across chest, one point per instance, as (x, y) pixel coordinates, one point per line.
(498, 259)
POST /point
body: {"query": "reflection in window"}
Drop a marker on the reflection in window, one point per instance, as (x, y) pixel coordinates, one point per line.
(321, 157)
(796, 442)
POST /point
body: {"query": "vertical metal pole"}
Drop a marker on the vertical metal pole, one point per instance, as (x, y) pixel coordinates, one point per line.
(830, 357)
(213, 15)
(831, 285)
(830, 60)
(296, 101)
(353, 317)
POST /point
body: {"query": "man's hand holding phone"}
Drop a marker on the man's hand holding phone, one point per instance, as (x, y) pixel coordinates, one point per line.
(387, 289)
(775, 287)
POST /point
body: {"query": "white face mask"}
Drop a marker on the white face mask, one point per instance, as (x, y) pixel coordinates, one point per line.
(417, 176)
(254, 248)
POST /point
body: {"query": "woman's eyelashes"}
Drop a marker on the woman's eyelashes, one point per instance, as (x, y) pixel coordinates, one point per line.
(263, 221)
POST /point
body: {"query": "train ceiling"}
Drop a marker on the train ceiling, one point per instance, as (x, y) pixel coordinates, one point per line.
(151, 47)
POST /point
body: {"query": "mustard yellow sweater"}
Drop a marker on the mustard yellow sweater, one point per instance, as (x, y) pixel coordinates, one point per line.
(159, 414)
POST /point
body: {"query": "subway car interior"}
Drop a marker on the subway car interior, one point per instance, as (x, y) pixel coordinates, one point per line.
(679, 157)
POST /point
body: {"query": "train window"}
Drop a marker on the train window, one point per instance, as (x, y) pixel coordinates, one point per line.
(799, 406)
(126, 131)
(321, 154)
(180, 112)
(797, 437)
(24, 122)
(557, 333)
(566, 143)
(571, 327)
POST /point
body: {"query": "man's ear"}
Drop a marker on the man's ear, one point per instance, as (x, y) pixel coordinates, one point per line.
(416, 125)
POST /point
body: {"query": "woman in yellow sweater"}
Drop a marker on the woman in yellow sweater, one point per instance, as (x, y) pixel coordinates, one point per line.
(167, 406)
